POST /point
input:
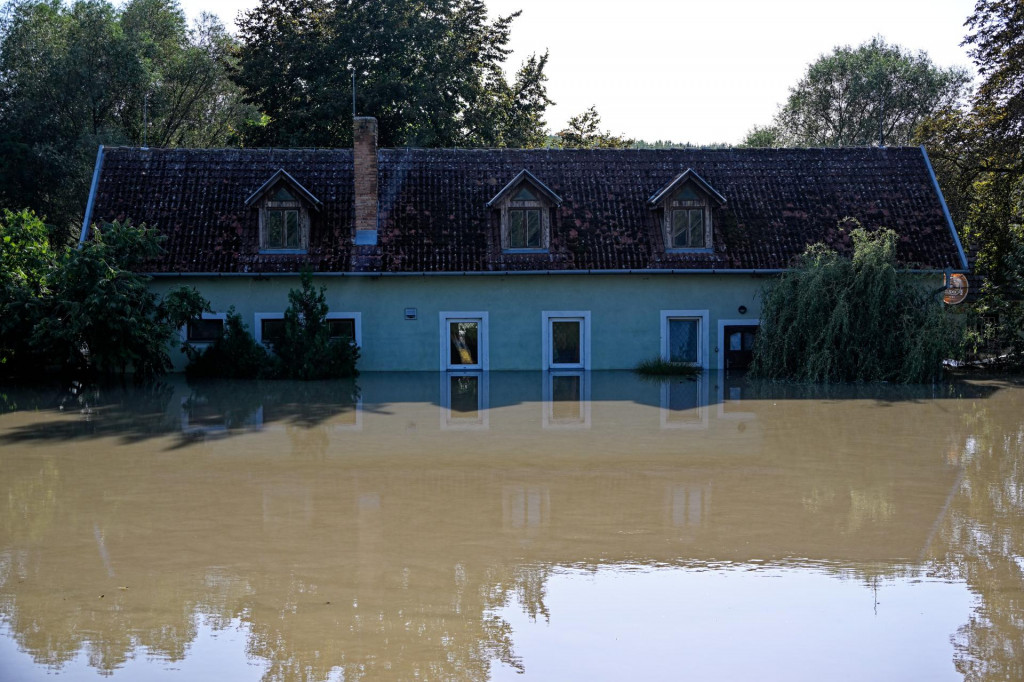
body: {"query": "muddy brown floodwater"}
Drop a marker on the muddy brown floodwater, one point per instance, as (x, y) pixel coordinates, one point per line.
(513, 526)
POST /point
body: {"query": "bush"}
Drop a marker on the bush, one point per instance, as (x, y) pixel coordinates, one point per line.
(656, 367)
(234, 355)
(307, 350)
(834, 318)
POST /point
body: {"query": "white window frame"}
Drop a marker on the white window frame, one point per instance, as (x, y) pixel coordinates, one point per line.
(722, 324)
(183, 330)
(478, 316)
(702, 333)
(547, 343)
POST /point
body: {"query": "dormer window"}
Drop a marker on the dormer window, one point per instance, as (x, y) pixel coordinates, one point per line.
(687, 224)
(282, 217)
(686, 205)
(284, 214)
(524, 221)
(525, 204)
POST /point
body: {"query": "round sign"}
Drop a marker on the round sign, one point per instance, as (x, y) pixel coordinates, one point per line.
(956, 288)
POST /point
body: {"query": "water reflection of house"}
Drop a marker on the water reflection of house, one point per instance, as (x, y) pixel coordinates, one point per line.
(397, 543)
(511, 259)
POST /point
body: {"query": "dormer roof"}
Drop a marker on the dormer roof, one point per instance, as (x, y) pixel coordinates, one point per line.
(282, 176)
(528, 177)
(689, 175)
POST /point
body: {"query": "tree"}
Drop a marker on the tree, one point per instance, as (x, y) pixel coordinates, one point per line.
(584, 132)
(307, 350)
(76, 76)
(429, 71)
(876, 93)
(99, 315)
(978, 155)
(26, 262)
(835, 318)
(235, 354)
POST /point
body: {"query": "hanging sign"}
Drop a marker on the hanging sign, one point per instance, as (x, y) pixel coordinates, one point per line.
(956, 288)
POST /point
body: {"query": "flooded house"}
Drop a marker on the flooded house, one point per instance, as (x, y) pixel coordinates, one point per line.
(515, 259)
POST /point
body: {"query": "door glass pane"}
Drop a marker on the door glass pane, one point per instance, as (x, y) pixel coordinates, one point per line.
(682, 340)
(463, 345)
(565, 342)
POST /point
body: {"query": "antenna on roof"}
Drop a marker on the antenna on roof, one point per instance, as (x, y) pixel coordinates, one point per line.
(145, 121)
(353, 93)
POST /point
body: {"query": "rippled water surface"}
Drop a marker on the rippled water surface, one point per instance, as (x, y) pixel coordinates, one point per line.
(509, 526)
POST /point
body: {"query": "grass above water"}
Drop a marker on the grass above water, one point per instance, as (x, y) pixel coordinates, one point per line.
(656, 367)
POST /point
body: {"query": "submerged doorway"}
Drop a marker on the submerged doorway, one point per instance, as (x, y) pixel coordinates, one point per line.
(738, 345)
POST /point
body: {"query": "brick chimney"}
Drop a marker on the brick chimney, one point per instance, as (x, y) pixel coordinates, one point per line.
(364, 159)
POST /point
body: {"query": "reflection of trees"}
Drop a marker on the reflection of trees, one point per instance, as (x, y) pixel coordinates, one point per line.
(984, 544)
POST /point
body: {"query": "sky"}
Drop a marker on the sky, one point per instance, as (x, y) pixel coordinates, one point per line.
(699, 72)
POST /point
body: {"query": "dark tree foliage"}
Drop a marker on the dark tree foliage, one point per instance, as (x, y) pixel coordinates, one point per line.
(234, 355)
(101, 316)
(85, 309)
(584, 132)
(876, 93)
(838, 319)
(74, 76)
(307, 350)
(430, 71)
(978, 155)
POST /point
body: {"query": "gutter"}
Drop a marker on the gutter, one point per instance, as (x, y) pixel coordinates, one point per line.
(945, 209)
(496, 273)
(92, 196)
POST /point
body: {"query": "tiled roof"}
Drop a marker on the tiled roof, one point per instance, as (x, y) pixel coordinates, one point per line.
(434, 215)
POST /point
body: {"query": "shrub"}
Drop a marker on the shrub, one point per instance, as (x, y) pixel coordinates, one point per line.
(834, 318)
(307, 350)
(656, 367)
(234, 355)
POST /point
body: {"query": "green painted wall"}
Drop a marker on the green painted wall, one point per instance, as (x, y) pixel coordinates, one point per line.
(624, 311)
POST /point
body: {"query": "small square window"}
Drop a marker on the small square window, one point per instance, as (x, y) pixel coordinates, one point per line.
(282, 229)
(342, 327)
(688, 228)
(524, 231)
(272, 330)
(205, 330)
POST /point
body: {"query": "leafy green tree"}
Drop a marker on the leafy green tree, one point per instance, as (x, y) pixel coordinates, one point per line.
(307, 350)
(26, 262)
(836, 318)
(100, 315)
(429, 71)
(584, 132)
(876, 93)
(978, 154)
(73, 76)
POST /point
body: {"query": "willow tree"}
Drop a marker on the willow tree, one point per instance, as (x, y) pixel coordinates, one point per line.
(835, 318)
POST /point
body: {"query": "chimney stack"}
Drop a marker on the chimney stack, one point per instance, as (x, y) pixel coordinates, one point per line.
(364, 160)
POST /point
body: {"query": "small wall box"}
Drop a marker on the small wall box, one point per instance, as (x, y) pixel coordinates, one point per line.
(410, 313)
